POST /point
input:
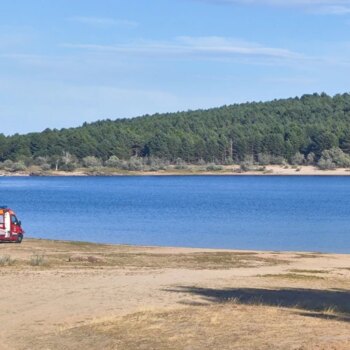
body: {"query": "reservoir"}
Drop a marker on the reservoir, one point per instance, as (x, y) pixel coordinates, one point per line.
(303, 213)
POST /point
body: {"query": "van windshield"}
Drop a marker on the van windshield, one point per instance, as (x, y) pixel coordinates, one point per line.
(14, 220)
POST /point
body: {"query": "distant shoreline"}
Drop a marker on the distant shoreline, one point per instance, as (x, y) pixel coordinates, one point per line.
(269, 170)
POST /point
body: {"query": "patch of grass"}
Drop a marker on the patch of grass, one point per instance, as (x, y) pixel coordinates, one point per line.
(211, 261)
(307, 271)
(38, 260)
(6, 260)
(293, 276)
(224, 327)
(309, 255)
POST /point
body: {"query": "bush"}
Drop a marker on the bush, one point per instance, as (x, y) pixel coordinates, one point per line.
(69, 167)
(18, 166)
(264, 159)
(156, 163)
(37, 260)
(337, 156)
(297, 159)
(181, 167)
(247, 164)
(214, 167)
(6, 260)
(91, 162)
(40, 161)
(326, 164)
(133, 164)
(113, 162)
(45, 167)
(277, 160)
(7, 164)
(310, 159)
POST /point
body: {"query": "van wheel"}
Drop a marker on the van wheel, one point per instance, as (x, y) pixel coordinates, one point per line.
(19, 238)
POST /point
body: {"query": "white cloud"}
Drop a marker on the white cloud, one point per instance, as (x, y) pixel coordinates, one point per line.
(186, 45)
(332, 7)
(103, 22)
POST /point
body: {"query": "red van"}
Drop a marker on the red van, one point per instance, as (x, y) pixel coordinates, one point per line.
(10, 226)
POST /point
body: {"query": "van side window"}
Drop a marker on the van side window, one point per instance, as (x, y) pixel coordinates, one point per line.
(2, 221)
(14, 220)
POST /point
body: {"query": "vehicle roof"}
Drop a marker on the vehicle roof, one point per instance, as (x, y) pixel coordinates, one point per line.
(4, 210)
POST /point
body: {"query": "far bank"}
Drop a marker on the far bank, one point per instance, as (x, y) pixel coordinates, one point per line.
(228, 170)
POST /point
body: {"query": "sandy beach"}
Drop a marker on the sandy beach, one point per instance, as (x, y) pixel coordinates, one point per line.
(69, 295)
(233, 170)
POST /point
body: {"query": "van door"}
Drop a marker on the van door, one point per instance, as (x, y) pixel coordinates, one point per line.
(2, 225)
(7, 221)
(15, 228)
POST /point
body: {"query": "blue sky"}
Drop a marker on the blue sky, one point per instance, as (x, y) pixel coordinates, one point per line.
(64, 62)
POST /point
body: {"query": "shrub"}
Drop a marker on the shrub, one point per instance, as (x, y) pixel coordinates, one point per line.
(7, 164)
(91, 162)
(297, 159)
(37, 260)
(45, 167)
(277, 160)
(247, 164)
(310, 159)
(156, 163)
(181, 166)
(6, 260)
(113, 162)
(40, 161)
(326, 164)
(69, 166)
(335, 155)
(214, 167)
(18, 166)
(264, 159)
(133, 164)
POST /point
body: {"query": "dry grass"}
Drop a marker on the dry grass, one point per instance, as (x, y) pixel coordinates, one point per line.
(307, 271)
(293, 276)
(81, 295)
(228, 326)
(6, 260)
(58, 254)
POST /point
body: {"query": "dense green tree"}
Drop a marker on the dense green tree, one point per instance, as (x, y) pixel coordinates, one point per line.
(276, 130)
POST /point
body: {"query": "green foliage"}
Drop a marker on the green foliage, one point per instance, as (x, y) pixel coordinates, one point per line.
(326, 164)
(333, 158)
(298, 159)
(113, 162)
(296, 130)
(91, 162)
(214, 167)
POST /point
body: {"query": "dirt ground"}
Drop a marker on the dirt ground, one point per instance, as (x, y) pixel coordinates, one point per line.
(69, 295)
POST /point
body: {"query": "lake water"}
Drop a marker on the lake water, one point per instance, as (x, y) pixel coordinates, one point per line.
(240, 212)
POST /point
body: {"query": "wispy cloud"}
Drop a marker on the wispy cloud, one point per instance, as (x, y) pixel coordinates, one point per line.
(331, 7)
(187, 45)
(103, 22)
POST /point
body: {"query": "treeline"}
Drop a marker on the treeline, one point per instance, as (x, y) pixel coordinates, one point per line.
(312, 129)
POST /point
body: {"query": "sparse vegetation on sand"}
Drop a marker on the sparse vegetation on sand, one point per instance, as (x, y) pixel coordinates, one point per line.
(91, 296)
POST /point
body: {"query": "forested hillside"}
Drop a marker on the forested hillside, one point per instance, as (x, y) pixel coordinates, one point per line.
(295, 130)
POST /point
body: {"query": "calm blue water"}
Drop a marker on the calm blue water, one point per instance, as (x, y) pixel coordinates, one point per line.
(273, 213)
